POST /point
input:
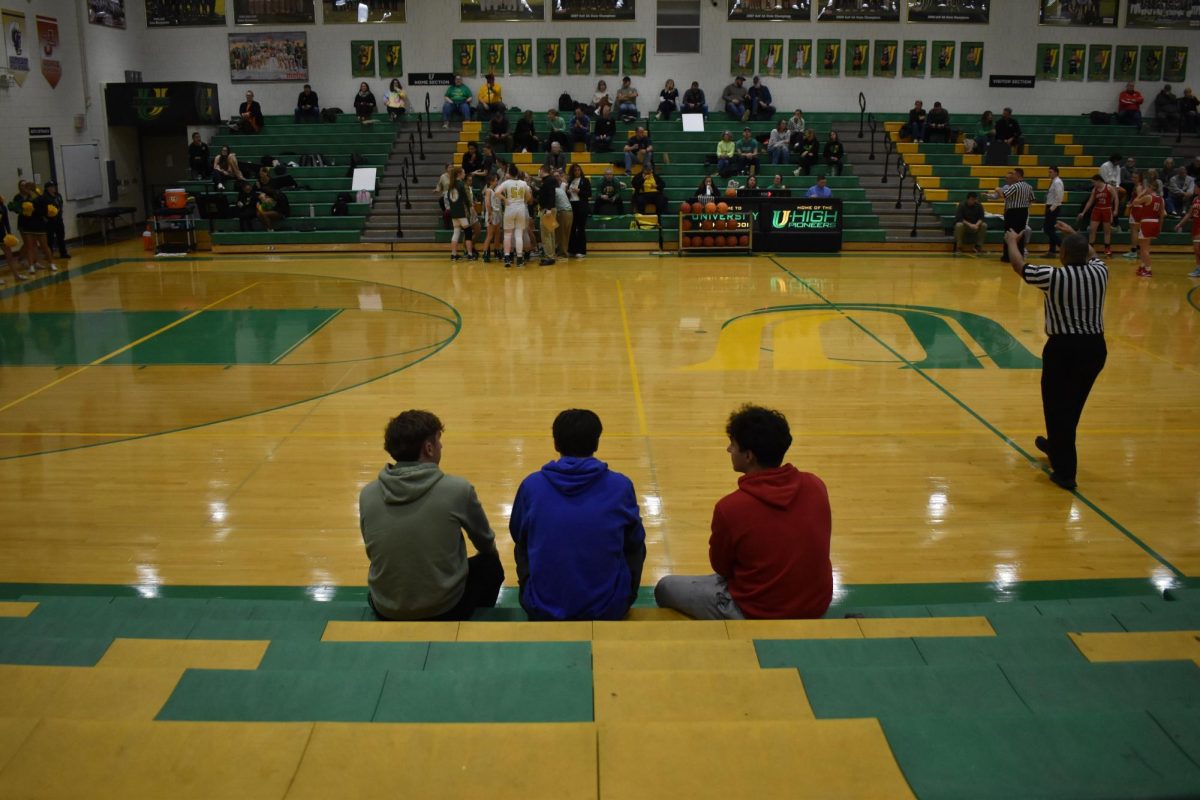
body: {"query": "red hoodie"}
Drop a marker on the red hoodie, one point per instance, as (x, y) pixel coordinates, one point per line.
(770, 541)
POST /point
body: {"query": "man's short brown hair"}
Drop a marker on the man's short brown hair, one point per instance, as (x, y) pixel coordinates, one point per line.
(407, 432)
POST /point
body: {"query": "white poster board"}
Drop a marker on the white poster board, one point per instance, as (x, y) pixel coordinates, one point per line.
(81, 171)
(693, 123)
(364, 179)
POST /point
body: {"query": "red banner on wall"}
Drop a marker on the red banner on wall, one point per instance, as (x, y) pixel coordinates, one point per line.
(47, 30)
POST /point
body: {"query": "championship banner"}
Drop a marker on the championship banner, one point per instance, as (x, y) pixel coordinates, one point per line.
(858, 10)
(1176, 67)
(16, 48)
(1074, 60)
(520, 56)
(465, 57)
(47, 29)
(1177, 14)
(580, 60)
(561, 10)
(794, 10)
(1150, 64)
(858, 57)
(1125, 63)
(970, 60)
(261, 57)
(1099, 62)
(549, 56)
(167, 14)
(943, 60)
(608, 56)
(499, 11)
(770, 58)
(885, 58)
(829, 58)
(963, 11)
(633, 56)
(391, 55)
(799, 58)
(1047, 62)
(293, 12)
(492, 53)
(915, 56)
(362, 58)
(1079, 13)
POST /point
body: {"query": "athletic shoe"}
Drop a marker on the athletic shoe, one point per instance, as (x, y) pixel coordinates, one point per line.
(1061, 482)
(1129, 254)
(1108, 252)
(1144, 273)
(487, 257)
(445, 126)
(472, 256)
(796, 171)
(52, 267)
(1195, 273)
(546, 262)
(1041, 443)
(581, 255)
(454, 258)
(520, 261)
(508, 262)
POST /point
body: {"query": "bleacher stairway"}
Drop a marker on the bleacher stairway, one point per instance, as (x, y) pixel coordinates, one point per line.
(418, 223)
(897, 223)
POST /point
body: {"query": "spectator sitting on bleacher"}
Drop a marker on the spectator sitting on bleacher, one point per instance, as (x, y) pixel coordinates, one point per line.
(668, 100)
(969, 224)
(556, 158)
(581, 128)
(693, 100)
(246, 206)
(638, 149)
(1189, 111)
(835, 153)
(364, 103)
(412, 519)
(1193, 169)
(556, 130)
(282, 180)
(747, 149)
(806, 150)
(198, 159)
(608, 194)
(251, 115)
(1181, 188)
(733, 99)
(769, 546)
(1166, 109)
(752, 182)
(606, 129)
(600, 96)
(498, 136)
(225, 168)
(795, 123)
(580, 544)
(727, 155)
(627, 101)
(915, 127)
(820, 189)
(777, 182)
(396, 101)
(937, 124)
(778, 143)
(308, 106)
(491, 98)
(1129, 107)
(1008, 130)
(273, 207)
(707, 191)
(525, 138)
(985, 131)
(457, 101)
(648, 187)
(758, 98)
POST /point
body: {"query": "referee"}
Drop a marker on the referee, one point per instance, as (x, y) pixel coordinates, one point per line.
(1075, 351)
(1017, 196)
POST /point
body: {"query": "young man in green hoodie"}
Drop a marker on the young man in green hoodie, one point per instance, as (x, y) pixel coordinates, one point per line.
(412, 519)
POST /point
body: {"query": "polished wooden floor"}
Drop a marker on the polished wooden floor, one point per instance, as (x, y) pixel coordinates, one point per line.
(211, 421)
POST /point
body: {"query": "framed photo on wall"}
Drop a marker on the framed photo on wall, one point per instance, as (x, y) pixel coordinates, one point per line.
(858, 58)
(1175, 69)
(362, 58)
(110, 13)
(970, 60)
(942, 65)
(1125, 63)
(1079, 13)
(520, 56)
(608, 56)
(362, 12)
(464, 57)
(633, 56)
(1150, 63)
(1048, 62)
(501, 10)
(391, 59)
(885, 58)
(1099, 62)
(915, 55)
(799, 58)
(171, 15)
(268, 57)
(549, 53)
(1179, 14)
(962, 11)
(579, 56)
(491, 51)
(1074, 60)
(858, 10)
(288, 12)
(568, 10)
(770, 58)
(741, 56)
(829, 58)
(794, 10)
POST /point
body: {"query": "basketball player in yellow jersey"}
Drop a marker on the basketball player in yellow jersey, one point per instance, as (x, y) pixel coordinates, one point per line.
(517, 197)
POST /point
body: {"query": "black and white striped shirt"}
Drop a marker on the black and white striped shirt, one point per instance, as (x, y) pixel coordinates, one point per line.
(1074, 296)
(1017, 195)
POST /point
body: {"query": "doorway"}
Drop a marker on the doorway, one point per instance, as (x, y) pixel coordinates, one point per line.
(41, 157)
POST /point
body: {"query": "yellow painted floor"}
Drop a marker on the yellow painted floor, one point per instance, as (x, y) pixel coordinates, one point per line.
(137, 462)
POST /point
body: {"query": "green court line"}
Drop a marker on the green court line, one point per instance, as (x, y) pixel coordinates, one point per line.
(1191, 295)
(59, 277)
(1000, 434)
(336, 313)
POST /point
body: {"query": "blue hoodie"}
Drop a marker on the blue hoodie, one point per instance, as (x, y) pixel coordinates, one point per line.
(580, 541)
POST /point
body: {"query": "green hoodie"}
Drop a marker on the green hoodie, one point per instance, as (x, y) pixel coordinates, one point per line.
(412, 518)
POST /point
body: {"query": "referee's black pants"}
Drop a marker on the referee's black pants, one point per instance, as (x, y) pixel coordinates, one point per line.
(1070, 365)
(1015, 219)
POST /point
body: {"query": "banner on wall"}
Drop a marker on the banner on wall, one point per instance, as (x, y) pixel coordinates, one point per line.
(561, 10)
(362, 58)
(796, 10)
(579, 61)
(464, 57)
(549, 56)
(1125, 63)
(287, 12)
(970, 60)
(1074, 58)
(15, 45)
(1099, 62)
(502, 10)
(360, 12)
(1047, 62)
(266, 57)
(962, 11)
(799, 58)
(1175, 69)
(166, 14)
(770, 58)
(1150, 63)
(47, 30)
(491, 51)
(942, 64)
(391, 59)
(858, 10)
(608, 56)
(1178, 14)
(1083, 13)
(858, 58)
(885, 58)
(829, 58)
(633, 56)
(741, 56)
(109, 13)
(915, 55)
(520, 56)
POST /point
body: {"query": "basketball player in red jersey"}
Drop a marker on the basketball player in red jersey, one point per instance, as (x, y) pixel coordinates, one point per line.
(1146, 212)
(1103, 204)
(1194, 215)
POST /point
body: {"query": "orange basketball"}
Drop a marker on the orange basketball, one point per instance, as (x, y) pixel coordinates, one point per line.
(707, 224)
(710, 208)
(685, 224)
(708, 241)
(731, 192)
(685, 208)
(744, 241)
(722, 208)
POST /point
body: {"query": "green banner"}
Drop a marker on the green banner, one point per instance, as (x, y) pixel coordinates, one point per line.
(1176, 66)
(1125, 63)
(829, 58)
(942, 65)
(579, 61)
(1099, 62)
(770, 58)
(492, 52)
(465, 57)
(1150, 64)
(1074, 58)
(633, 56)
(391, 61)
(799, 58)
(916, 53)
(970, 60)
(858, 58)
(885, 58)
(741, 56)
(1047, 62)
(362, 58)
(520, 56)
(549, 56)
(608, 56)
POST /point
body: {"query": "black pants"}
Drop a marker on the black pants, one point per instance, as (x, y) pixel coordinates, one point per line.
(1048, 223)
(1015, 219)
(577, 241)
(485, 574)
(1070, 365)
(56, 235)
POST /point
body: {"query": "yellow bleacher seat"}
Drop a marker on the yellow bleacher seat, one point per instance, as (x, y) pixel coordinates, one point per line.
(183, 654)
(700, 695)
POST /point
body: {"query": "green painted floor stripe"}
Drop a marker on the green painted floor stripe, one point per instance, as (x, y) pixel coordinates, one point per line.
(1003, 437)
(1192, 294)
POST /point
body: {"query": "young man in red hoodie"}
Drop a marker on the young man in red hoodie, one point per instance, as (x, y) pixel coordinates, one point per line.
(769, 547)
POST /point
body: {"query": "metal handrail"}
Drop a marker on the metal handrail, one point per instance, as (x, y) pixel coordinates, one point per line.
(428, 122)
(412, 161)
(862, 111)
(888, 148)
(919, 198)
(872, 126)
(399, 226)
(903, 170)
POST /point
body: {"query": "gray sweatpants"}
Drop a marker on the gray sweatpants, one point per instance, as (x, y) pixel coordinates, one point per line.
(698, 596)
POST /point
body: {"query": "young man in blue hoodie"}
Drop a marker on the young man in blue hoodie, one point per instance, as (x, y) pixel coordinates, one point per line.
(579, 535)
(412, 519)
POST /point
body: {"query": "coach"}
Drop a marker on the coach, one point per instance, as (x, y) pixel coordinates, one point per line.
(1075, 351)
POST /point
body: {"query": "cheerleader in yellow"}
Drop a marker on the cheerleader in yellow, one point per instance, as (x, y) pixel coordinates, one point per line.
(31, 210)
(9, 243)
